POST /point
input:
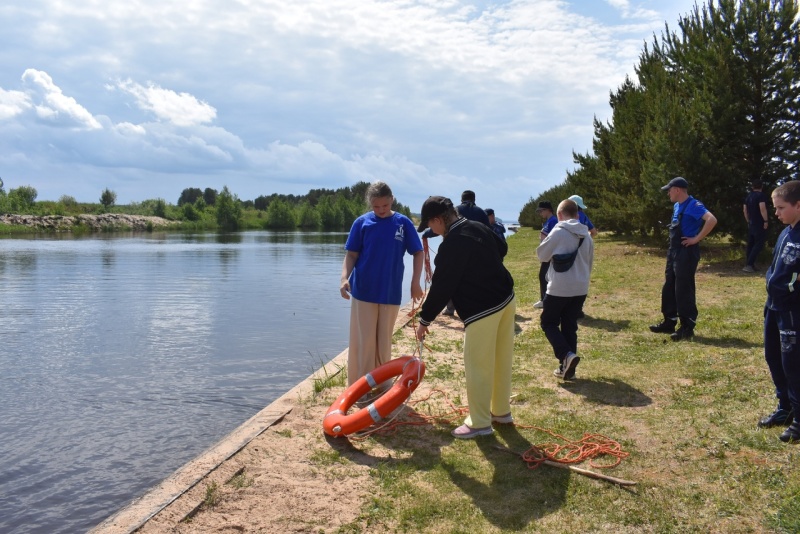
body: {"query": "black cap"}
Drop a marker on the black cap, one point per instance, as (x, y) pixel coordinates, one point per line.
(544, 205)
(676, 182)
(433, 207)
(489, 211)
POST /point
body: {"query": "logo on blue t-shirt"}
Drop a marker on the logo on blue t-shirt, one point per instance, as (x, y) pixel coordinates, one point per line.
(399, 235)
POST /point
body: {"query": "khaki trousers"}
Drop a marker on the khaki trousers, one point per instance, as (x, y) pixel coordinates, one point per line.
(371, 331)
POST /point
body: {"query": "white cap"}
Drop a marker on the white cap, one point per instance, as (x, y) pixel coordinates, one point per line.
(579, 201)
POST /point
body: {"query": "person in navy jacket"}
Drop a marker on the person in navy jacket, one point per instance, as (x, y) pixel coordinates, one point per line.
(782, 313)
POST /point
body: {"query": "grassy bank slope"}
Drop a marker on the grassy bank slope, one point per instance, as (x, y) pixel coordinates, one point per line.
(686, 412)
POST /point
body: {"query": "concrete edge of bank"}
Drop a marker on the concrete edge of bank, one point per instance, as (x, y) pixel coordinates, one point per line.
(139, 511)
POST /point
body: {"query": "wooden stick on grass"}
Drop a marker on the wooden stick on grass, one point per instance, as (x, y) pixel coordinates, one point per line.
(584, 472)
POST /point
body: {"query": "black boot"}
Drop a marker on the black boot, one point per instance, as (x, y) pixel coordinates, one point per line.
(779, 417)
(667, 326)
(682, 333)
(791, 434)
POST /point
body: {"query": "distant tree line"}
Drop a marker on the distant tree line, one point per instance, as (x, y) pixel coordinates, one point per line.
(716, 102)
(320, 209)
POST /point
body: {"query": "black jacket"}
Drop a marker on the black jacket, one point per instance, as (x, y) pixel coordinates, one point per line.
(470, 272)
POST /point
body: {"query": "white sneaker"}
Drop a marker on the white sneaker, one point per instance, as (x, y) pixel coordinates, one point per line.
(539, 305)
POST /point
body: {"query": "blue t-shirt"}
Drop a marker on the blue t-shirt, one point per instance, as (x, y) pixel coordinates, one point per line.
(584, 219)
(549, 224)
(381, 245)
(692, 218)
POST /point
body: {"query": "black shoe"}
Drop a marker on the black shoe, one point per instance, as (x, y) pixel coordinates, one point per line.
(682, 333)
(664, 327)
(791, 434)
(779, 417)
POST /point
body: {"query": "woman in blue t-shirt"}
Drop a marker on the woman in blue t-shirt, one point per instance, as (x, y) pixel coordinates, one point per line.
(372, 274)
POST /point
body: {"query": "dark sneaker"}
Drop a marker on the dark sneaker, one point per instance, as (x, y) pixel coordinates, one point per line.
(779, 417)
(567, 368)
(664, 327)
(682, 333)
(791, 434)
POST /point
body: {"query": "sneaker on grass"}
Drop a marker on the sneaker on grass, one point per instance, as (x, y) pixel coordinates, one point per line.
(566, 370)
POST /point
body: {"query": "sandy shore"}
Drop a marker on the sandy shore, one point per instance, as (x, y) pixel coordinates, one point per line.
(273, 455)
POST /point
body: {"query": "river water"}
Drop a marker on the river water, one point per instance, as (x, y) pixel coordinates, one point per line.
(122, 357)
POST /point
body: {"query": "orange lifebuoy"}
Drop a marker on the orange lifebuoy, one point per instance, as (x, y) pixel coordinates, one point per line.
(338, 423)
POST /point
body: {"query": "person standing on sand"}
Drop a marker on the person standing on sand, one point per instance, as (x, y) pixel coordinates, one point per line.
(372, 274)
(470, 272)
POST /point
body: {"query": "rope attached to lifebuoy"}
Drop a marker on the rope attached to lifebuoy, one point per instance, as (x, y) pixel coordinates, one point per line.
(337, 422)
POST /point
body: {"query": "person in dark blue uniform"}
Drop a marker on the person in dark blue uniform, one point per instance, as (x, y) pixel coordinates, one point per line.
(691, 222)
(545, 211)
(496, 226)
(781, 312)
(755, 213)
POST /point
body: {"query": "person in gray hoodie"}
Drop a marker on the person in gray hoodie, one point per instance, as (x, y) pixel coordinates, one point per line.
(566, 291)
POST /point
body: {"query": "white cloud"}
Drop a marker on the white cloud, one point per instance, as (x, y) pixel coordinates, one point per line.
(181, 109)
(267, 96)
(13, 103)
(624, 7)
(55, 107)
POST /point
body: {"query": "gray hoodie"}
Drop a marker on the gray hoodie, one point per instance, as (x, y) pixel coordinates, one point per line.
(563, 239)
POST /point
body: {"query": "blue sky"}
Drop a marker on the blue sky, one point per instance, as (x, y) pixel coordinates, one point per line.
(148, 97)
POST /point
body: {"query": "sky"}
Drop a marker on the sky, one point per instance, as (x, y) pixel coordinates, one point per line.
(147, 98)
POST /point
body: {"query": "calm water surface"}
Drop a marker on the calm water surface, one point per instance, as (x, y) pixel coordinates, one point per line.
(124, 357)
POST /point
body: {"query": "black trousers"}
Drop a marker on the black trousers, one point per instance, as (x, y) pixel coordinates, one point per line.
(756, 237)
(560, 323)
(782, 352)
(543, 268)
(678, 299)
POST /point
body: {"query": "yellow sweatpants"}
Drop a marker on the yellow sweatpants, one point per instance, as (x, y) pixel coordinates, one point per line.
(488, 358)
(371, 330)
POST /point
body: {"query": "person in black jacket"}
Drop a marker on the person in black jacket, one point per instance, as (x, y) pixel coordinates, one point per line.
(470, 272)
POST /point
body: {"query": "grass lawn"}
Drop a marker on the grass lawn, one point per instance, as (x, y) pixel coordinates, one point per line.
(685, 412)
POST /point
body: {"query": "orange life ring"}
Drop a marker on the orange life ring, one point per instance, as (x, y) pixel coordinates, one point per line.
(338, 423)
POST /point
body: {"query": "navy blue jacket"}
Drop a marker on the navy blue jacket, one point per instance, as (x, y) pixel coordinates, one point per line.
(783, 287)
(470, 211)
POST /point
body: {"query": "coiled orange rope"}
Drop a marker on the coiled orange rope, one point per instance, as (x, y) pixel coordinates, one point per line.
(590, 447)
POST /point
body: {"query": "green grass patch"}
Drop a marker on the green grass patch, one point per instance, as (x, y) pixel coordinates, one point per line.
(685, 412)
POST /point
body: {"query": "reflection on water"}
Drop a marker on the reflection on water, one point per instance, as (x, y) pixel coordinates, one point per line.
(124, 357)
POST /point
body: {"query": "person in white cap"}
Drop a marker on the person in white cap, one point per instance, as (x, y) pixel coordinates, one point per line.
(582, 217)
(691, 222)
